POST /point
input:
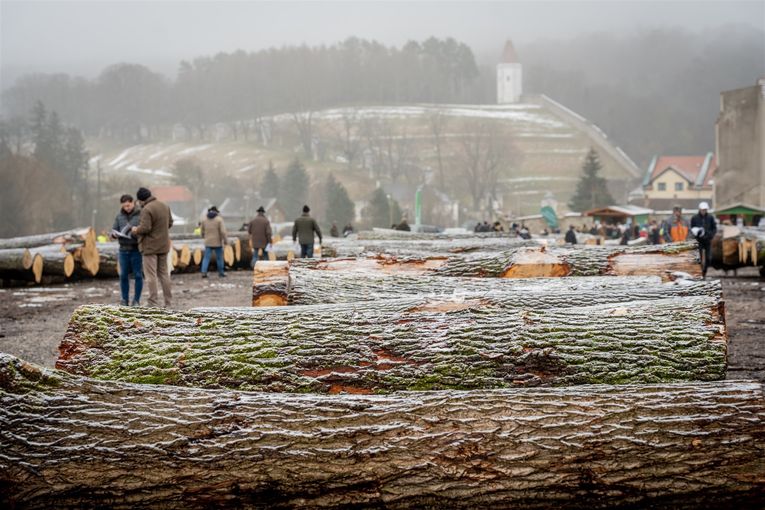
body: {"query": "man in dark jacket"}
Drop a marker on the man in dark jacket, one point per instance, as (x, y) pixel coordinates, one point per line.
(571, 235)
(130, 259)
(303, 230)
(704, 228)
(153, 233)
(260, 234)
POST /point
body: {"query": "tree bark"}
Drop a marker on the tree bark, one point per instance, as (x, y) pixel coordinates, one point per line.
(528, 262)
(406, 344)
(69, 442)
(69, 236)
(308, 287)
(390, 234)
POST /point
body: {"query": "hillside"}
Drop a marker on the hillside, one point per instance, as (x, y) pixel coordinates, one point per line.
(509, 154)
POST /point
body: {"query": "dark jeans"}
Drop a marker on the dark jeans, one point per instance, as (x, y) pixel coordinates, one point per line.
(131, 262)
(218, 259)
(705, 255)
(255, 255)
(306, 251)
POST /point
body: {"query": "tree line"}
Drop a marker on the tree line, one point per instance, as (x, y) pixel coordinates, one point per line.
(130, 102)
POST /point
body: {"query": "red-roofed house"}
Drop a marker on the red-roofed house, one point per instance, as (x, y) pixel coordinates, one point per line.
(180, 199)
(679, 180)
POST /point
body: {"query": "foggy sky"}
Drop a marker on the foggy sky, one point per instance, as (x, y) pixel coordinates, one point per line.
(82, 38)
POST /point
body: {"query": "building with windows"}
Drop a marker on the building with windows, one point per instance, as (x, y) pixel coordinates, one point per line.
(741, 146)
(679, 180)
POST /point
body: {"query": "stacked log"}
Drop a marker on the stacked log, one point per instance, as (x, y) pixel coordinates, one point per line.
(57, 261)
(689, 445)
(354, 248)
(20, 264)
(540, 261)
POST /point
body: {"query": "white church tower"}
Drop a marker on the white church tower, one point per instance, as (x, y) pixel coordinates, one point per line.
(509, 76)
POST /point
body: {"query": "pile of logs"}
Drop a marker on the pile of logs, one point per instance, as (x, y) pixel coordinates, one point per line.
(55, 256)
(508, 377)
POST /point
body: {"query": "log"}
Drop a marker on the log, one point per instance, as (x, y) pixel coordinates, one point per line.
(57, 261)
(20, 264)
(271, 283)
(404, 344)
(419, 247)
(86, 257)
(390, 234)
(77, 235)
(308, 287)
(69, 442)
(665, 260)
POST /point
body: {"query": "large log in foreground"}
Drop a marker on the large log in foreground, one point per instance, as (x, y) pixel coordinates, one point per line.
(308, 287)
(69, 442)
(527, 262)
(404, 344)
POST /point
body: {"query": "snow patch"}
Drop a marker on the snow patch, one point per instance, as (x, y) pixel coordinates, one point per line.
(192, 150)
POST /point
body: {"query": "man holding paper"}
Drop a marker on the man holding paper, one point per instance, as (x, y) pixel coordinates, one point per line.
(130, 259)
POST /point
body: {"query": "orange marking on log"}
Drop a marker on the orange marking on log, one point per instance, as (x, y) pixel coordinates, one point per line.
(536, 263)
(639, 264)
(199, 321)
(137, 324)
(269, 300)
(339, 388)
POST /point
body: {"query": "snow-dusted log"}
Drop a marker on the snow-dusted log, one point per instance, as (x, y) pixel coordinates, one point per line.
(528, 262)
(71, 442)
(405, 344)
(77, 235)
(271, 283)
(419, 247)
(308, 287)
(390, 234)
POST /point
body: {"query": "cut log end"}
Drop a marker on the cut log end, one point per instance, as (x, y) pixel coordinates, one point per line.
(26, 259)
(184, 256)
(68, 265)
(270, 286)
(269, 300)
(536, 263)
(37, 267)
(228, 255)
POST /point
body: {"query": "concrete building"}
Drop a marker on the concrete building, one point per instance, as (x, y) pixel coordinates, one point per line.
(509, 76)
(679, 180)
(741, 147)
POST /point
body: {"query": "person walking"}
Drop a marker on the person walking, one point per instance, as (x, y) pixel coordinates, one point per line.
(334, 232)
(153, 232)
(704, 228)
(129, 257)
(214, 234)
(260, 234)
(571, 235)
(303, 230)
(676, 228)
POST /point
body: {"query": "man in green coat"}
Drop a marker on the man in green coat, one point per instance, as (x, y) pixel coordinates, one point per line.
(303, 230)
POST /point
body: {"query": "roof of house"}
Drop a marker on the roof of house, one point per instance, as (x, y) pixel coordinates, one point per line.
(740, 208)
(172, 193)
(618, 210)
(697, 170)
(509, 56)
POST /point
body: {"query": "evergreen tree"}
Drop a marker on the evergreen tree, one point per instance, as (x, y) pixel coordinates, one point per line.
(396, 213)
(339, 206)
(377, 213)
(591, 190)
(74, 163)
(269, 186)
(294, 189)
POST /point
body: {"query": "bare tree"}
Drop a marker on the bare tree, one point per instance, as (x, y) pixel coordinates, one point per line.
(486, 154)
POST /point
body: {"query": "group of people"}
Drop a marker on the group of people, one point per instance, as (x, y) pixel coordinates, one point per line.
(142, 228)
(485, 227)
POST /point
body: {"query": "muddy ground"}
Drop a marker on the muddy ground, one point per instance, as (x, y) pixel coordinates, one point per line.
(33, 319)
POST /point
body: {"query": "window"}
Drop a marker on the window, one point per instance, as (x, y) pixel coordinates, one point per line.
(678, 186)
(662, 186)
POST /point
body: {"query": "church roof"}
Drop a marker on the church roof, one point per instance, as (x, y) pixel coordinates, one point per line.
(509, 56)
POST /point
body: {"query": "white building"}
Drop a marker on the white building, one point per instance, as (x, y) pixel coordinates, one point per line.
(509, 76)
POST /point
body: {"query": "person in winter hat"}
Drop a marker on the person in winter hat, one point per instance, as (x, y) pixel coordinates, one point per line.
(153, 232)
(215, 238)
(704, 228)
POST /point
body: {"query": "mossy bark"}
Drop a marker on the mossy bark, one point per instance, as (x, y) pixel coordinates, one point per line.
(415, 343)
(71, 442)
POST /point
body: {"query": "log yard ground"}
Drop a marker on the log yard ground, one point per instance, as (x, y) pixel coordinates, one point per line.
(33, 319)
